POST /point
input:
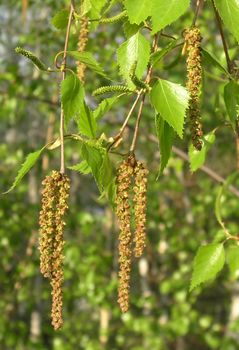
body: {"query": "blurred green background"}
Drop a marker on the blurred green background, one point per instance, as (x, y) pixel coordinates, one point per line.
(163, 315)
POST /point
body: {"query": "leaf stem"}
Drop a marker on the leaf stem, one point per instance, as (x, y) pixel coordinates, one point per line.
(63, 67)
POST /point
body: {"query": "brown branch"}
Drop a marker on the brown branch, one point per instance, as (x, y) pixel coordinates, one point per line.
(224, 43)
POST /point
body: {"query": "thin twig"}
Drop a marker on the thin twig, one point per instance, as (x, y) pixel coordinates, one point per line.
(62, 167)
(224, 43)
(196, 12)
(211, 173)
(135, 137)
(118, 136)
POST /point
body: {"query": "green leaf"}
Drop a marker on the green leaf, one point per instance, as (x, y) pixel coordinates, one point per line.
(165, 12)
(208, 262)
(231, 97)
(130, 29)
(96, 7)
(158, 55)
(98, 160)
(26, 166)
(104, 107)
(72, 97)
(82, 168)
(165, 136)
(170, 101)
(138, 11)
(229, 11)
(88, 59)
(60, 20)
(135, 50)
(213, 61)
(197, 158)
(86, 122)
(232, 259)
(92, 154)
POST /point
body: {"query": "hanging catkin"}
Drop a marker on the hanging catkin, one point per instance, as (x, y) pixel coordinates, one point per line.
(123, 212)
(194, 79)
(140, 203)
(82, 42)
(54, 205)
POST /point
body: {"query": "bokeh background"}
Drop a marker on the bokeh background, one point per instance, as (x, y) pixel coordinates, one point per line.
(163, 315)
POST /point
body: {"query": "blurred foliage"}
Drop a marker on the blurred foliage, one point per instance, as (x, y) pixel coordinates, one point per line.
(163, 315)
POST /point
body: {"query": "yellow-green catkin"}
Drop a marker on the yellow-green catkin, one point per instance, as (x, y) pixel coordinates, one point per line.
(82, 42)
(47, 222)
(123, 212)
(193, 40)
(140, 207)
(51, 243)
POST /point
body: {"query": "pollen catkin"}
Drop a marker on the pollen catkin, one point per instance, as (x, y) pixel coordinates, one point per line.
(54, 206)
(140, 203)
(47, 223)
(83, 39)
(194, 79)
(123, 213)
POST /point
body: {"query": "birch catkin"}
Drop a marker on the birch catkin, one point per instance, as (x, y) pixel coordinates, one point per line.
(51, 243)
(125, 172)
(82, 42)
(194, 79)
(140, 206)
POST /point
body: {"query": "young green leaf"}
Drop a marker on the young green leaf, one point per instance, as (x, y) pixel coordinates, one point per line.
(26, 166)
(60, 20)
(96, 7)
(170, 101)
(82, 168)
(72, 97)
(231, 97)
(135, 50)
(92, 154)
(86, 121)
(88, 59)
(208, 261)
(232, 259)
(138, 11)
(104, 107)
(197, 158)
(166, 137)
(229, 11)
(165, 12)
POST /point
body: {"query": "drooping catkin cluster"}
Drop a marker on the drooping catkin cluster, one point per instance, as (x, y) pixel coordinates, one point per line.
(82, 42)
(193, 40)
(51, 242)
(128, 172)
